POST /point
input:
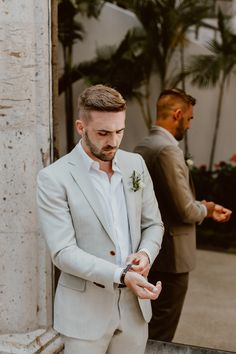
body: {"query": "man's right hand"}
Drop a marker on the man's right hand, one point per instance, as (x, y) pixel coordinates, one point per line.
(217, 212)
(221, 214)
(141, 287)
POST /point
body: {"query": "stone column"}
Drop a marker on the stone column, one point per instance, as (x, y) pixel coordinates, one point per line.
(25, 146)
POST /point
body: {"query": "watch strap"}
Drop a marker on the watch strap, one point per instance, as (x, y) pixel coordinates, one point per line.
(123, 274)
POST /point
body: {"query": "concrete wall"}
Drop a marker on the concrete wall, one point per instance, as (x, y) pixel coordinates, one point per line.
(25, 135)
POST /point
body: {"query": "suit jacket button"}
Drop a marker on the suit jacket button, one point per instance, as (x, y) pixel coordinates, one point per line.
(113, 253)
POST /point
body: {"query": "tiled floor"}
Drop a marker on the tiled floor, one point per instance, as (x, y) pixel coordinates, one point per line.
(209, 314)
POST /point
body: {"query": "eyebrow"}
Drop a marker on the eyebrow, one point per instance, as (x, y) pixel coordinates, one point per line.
(109, 131)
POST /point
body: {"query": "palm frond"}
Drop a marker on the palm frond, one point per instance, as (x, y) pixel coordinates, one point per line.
(69, 29)
(204, 70)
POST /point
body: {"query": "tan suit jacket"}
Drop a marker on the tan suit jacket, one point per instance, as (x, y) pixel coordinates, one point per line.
(82, 243)
(175, 194)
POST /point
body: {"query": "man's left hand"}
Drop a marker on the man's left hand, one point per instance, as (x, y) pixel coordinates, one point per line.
(140, 263)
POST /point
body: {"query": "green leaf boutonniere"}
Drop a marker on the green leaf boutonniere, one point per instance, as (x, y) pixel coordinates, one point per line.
(136, 181)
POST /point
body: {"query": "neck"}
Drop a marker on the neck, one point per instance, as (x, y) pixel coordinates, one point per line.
(166, 124)
(106, 166)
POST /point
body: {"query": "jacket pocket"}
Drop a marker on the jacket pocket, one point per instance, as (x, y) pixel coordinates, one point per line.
(72, 282)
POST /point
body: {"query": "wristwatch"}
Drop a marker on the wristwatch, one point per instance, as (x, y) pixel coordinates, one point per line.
(123, 274)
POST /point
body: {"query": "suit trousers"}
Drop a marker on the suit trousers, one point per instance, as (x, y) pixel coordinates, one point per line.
(126, 333)
(166, 310)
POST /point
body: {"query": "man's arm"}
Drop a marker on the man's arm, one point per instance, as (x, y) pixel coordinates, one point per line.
(152, 228)
(57, 228)
(174, 180)
(172, 173)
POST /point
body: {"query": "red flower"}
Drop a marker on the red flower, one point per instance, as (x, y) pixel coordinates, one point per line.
(233, 158)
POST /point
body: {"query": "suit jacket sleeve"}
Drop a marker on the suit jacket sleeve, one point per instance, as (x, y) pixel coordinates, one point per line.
(56, 226)
(174, 180)
(152, 228)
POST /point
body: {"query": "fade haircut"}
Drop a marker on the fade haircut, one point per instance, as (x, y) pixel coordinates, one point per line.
(172, 99)
(100, 98)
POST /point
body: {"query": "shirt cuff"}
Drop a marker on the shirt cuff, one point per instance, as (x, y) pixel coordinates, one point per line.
(117, 275)
(204, 211)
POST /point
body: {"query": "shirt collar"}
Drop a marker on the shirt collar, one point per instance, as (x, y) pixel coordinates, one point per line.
(90, 163)
(166, 132)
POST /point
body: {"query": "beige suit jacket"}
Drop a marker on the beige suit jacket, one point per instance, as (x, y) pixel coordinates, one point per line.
(175, 194)
(82, 243)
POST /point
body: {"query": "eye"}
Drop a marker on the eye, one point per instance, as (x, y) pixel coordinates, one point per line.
(102, 133)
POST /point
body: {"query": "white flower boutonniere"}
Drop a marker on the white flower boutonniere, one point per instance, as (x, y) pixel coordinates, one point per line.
(136, 181)
(189, 161)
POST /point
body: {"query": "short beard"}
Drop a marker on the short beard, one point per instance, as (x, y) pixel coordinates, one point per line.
(95, 151)
(180, 132)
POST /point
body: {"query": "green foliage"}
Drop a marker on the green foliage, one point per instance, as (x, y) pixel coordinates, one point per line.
(207, 70)
(166, 23)
(69, 30)
(123, 67)
(215, 67)
(142, 52)
(90, 8)
(219, 186)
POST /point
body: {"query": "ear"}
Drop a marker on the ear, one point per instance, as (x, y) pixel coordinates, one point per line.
(177, 114)
(80, 125)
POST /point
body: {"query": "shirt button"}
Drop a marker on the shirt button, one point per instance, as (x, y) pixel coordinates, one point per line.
(113, 253)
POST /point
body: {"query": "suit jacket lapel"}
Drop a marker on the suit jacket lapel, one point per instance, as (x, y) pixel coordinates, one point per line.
(81, 176)
(126, 172)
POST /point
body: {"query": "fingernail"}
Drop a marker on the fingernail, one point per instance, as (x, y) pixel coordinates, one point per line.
(154, 290)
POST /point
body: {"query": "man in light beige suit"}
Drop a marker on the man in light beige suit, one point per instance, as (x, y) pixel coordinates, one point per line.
(100, 218)
(179, 209)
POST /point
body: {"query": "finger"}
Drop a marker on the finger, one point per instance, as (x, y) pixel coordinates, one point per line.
(150, 287)
(219, 208)
(138, 268)
(152, 293)
(130, 258)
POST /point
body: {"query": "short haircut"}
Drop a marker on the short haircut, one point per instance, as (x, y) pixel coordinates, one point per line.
(100, 98)
(172, 99)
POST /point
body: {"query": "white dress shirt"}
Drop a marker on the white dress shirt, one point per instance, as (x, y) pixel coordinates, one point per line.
(110, 192)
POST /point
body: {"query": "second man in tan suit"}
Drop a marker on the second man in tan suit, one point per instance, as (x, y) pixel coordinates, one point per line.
(180, 211)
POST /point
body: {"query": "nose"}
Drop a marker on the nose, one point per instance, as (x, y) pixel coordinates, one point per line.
(112, 141)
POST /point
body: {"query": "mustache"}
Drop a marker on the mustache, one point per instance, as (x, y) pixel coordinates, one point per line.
(109, 147)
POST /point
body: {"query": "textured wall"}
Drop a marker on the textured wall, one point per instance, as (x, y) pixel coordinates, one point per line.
(25, 113)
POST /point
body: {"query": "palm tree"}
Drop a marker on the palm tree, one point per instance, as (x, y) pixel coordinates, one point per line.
(165, 23)
(126, 68)
(71, 30)
(216, 67)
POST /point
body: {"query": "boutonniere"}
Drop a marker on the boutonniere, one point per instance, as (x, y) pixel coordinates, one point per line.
(136, 181)
(189, 161)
